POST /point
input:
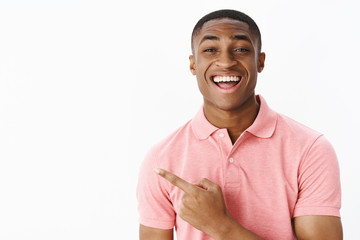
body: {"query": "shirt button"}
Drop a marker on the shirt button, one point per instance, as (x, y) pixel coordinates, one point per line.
(231, 160)
(222, 135)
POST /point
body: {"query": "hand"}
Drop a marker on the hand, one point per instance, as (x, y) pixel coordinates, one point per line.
(202, 204)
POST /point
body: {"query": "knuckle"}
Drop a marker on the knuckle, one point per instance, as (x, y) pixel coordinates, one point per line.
(216, 188)
(204, 180)
(185, 199)
(172, 179)
(182, 212)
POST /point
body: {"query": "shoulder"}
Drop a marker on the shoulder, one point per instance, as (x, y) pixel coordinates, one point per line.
(298, 134)
(277, 126)
(314, 148)
(304, 142)
(295, 128)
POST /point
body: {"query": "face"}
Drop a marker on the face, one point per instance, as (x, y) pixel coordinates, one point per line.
(226, 61)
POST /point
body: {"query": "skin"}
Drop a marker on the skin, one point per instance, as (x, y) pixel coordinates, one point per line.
(227, 47)
(223, 54)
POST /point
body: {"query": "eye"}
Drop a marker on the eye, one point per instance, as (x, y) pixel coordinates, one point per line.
(241, 50)
(209, 50)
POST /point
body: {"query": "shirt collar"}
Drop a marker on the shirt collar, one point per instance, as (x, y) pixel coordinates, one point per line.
(202, 128)
(265, 122)
(263, 126)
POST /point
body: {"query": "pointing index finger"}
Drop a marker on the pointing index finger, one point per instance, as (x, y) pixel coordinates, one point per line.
(175, 180)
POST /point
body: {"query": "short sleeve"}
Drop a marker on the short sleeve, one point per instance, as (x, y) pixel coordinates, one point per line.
(154, 205)
(319, 181)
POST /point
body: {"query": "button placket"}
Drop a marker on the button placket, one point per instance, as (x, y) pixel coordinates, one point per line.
(230, 168)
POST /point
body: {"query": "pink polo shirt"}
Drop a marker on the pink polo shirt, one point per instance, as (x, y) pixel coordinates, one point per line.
(278, 169)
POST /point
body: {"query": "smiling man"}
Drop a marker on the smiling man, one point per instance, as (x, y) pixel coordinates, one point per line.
(238, 170)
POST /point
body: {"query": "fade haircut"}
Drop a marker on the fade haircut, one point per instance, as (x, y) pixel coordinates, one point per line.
(227, 13)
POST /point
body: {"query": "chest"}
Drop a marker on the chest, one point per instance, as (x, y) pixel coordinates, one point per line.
(254, 174)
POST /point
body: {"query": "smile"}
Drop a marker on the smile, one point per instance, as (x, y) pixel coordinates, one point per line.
(226, 82)
(218, 79)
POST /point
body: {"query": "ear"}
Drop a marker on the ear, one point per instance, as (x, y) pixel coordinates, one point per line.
(261, 62)
(192, 65)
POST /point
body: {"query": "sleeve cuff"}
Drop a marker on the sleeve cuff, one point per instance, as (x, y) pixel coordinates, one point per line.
(156, 223)
(326, 211)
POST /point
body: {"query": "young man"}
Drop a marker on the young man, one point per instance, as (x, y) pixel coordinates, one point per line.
(238, 170)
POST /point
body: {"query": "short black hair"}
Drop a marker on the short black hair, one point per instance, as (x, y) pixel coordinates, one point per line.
(227, 13)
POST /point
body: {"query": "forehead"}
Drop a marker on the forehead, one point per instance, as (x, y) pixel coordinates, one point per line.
(224, 28)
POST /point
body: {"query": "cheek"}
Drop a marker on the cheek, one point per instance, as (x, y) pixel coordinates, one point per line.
(199, 72)
(252, 68)
(203, 88)
(200, 83)
(202, 68)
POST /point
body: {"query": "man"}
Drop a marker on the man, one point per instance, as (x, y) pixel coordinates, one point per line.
(238, 170)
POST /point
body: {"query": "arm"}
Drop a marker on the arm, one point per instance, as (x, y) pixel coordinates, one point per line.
(306, 228)
(230, 229)
(316, 214)
(148, 233)
(156, 212)
(318, 227)
(203, 207)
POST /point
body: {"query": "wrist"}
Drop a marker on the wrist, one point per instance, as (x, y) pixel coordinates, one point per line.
(230, 229)
(225, 228)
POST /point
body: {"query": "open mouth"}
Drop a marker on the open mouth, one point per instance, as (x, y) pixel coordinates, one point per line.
(226, 82)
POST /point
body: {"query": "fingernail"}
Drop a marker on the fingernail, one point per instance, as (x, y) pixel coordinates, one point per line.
(157, 170)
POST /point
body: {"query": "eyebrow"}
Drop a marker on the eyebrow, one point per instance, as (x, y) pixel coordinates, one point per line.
(241, 37)
(235, 37)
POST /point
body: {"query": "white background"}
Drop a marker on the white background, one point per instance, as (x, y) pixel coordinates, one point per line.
(87, 87)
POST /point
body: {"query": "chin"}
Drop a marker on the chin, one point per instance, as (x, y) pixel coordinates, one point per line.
(228, 106)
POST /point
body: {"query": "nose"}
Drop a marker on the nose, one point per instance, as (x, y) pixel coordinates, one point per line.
(225, 60)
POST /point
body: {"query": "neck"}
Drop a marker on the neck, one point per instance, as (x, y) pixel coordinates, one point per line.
(236, 120)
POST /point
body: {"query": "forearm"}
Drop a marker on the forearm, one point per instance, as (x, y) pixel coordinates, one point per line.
(148, 233)
(232, 230)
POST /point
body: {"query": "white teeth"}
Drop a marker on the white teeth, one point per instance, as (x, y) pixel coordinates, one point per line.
(226, 79)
